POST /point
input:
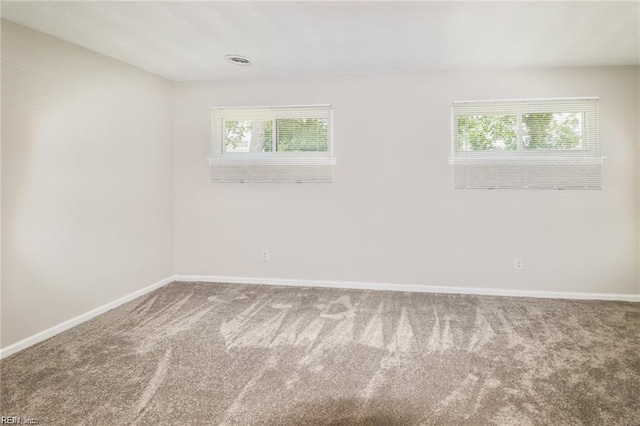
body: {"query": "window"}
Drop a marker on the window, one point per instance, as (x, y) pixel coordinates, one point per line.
(272, 144)
(545, 143)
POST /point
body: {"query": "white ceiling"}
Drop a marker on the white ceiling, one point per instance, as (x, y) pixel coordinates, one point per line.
(188, 40)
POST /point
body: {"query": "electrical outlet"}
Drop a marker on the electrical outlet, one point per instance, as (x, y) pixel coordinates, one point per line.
(265, 255)
(518, 264)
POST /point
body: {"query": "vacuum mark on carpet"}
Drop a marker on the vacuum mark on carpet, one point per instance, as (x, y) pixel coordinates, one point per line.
(482, 335)
(152, 387)
(272, 362)
(373, 334)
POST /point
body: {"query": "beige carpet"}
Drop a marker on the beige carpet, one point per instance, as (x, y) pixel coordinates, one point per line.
(195, 353)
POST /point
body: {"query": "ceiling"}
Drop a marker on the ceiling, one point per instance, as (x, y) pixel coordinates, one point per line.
(188, 40)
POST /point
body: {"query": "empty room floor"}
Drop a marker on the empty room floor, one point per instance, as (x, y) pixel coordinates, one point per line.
(198, 353)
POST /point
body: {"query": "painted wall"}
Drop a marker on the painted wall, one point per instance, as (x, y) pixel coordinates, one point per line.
(391, 214)
(87, 187)
(89, 167)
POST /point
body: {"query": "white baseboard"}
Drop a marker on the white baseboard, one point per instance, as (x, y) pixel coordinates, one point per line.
(59, 328)
(411, 288)
(50, 332)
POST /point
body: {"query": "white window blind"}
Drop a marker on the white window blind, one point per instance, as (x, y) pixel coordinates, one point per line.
(535, 143)
(272, 144)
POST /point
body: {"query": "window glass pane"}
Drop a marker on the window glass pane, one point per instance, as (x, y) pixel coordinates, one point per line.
(487, 133)
(248, 136)
(557, 130)
(301, 134)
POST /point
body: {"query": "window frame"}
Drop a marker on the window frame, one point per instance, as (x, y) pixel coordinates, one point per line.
(587, 106)
(572, 168)
(270, 166)
(221, 115)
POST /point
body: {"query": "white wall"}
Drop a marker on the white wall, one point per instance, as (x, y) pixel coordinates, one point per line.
(87, 187)
(391, 215)
(88, 177)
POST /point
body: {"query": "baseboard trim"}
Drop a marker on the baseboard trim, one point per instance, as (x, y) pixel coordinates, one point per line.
(59, 328)
(411, 288)
(63, 326)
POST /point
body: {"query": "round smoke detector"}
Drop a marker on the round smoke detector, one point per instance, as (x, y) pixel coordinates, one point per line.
(238, 60)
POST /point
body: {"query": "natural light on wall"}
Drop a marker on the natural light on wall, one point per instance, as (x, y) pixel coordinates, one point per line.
(272, 144)
(537, 144)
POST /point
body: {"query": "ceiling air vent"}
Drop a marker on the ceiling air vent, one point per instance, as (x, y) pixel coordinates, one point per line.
(238, 60)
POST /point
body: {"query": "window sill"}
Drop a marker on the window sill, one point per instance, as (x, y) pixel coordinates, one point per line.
(273, 161)
(526, 159)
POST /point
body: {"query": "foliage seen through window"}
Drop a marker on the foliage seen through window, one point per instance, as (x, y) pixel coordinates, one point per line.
(291, 135)
(538, 131)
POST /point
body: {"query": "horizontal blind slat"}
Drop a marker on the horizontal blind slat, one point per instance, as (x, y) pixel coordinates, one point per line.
(272, 144)
(523, 152)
